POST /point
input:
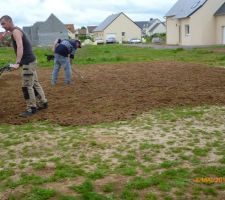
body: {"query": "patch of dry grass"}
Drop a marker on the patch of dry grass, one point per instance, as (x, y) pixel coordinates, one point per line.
(156, 156)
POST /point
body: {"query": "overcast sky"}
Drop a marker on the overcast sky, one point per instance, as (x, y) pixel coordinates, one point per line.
(82, 12)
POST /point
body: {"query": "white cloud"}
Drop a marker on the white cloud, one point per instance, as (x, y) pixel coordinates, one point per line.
(82, 12)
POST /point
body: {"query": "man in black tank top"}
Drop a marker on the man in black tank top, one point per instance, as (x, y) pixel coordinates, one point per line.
(25, 58)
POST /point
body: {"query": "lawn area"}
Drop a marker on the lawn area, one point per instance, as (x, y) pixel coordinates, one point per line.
(163, 154)
(212, 56)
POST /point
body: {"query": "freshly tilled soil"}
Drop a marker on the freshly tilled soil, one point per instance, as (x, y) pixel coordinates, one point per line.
(111, 92)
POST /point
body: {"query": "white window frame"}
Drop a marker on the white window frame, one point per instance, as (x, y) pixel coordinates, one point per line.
(187, 29)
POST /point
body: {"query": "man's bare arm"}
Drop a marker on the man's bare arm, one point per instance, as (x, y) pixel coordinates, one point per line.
(17, 35)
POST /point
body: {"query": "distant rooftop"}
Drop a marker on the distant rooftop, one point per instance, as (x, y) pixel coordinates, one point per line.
(70, 27)
(106, 22)
(145, 24)
(91, 28)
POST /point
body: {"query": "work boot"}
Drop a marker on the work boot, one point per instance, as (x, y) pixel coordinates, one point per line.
(29, 112)
(42, 106)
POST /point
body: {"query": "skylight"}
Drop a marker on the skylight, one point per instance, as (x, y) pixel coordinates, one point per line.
(195, 5)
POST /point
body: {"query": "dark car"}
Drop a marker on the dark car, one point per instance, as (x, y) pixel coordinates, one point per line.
(110, 40)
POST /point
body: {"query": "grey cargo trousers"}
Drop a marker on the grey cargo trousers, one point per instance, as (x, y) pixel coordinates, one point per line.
(32, 90)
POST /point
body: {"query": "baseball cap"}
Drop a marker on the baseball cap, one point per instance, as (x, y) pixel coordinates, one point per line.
(79, 43)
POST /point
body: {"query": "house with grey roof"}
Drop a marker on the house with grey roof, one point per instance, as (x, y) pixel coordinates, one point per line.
(71, 31)
(144, 25)
(45, 33)
(151, 27)
(118, 26)
(5, 39)
(157, 28)
(196, 22)
(90, 30)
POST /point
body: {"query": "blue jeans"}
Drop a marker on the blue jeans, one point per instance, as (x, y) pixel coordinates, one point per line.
(61, 61)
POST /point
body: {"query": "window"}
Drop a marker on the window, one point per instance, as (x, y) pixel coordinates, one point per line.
(187, 30)
(123, 33)
(195, 5)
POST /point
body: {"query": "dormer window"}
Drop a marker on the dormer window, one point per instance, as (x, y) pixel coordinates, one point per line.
(195, 5)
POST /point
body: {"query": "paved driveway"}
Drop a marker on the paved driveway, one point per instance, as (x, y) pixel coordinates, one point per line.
(162, 46)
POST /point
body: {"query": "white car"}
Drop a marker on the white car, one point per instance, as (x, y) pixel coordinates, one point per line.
(110, 40)
(134, 40)
(99, 41)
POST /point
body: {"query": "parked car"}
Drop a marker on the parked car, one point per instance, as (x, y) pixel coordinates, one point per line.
(156, 40)
(134, 40)
(99, 41)
(110, 40)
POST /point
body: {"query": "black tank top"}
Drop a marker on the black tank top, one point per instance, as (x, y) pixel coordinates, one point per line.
(28, 55)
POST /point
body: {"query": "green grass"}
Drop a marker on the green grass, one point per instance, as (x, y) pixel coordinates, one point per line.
(86, 190)
(121, 53)
(155, 156)
(162, 161)
(108, 188)
(35, 194)
(4, 174)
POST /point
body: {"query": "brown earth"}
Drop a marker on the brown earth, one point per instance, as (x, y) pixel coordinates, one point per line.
(115, 92)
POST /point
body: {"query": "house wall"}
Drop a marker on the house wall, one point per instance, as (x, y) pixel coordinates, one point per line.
(34, 35)
(220, 24)
(71, 35)
(123, 24)
(99, 34)
(185, 38)
(159, 29)
(45, 33)
(47, 39)
(172, 31)
(202, 26)
(204, 18)
(147, 31)
(50, 30)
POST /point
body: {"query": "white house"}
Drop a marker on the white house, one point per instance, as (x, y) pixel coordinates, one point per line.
(118, 26)
(196, 22)
(151, 27)
(156, 28)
